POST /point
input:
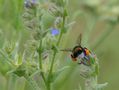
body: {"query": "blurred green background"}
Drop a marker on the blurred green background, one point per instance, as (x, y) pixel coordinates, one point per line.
(97, 18)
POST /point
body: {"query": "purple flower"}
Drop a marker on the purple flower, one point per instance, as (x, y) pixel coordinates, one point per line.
(34, 1)
(30, 3)
(54, 31)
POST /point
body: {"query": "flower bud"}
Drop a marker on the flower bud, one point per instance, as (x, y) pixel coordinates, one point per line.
(30, 3)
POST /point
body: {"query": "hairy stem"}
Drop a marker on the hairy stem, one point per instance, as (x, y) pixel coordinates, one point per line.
(32, 83)
(40, 62)
(54, 55)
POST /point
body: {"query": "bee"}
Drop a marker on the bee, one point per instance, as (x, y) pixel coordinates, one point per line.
(80, 52)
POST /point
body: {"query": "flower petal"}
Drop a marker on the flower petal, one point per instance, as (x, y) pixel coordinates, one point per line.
(54, 31)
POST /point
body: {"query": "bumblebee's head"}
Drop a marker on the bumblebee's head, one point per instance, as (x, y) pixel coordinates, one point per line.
(77, 50)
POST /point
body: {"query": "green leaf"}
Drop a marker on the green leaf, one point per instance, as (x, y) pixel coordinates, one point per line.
(54, 47)
(92, 60)
(101, 86)
(19, 60)
(58, 73)
(97, 69)
(45, 33)
(65, 13)
(20, 71)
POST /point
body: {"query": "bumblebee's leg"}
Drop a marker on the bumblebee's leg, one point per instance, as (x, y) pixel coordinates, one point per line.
(84, 62)
(89, 62)
(80, 63)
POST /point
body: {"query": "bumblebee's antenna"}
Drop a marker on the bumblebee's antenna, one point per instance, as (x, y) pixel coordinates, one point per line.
(66, 50)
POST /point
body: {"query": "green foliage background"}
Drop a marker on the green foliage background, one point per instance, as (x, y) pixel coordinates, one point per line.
(12, 29)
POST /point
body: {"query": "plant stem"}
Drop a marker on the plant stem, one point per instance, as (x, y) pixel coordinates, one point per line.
(52, 63)
(54, 55)
(50, 72)
(55, 52)
(40, 61)
(32, 83)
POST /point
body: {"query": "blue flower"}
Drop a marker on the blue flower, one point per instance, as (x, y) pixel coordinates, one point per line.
(54, 31)
(30, 3)
(34, 1)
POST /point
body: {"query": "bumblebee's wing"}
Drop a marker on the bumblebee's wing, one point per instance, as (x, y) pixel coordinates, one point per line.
(79, 39)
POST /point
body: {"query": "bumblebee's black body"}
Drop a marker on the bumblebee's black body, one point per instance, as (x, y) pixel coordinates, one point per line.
(80, 52)
(76, 52)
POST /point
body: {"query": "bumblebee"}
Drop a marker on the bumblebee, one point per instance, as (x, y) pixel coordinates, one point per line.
(82, 53)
